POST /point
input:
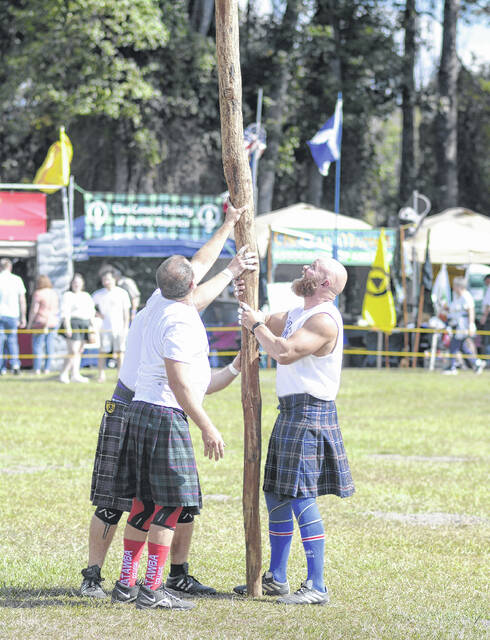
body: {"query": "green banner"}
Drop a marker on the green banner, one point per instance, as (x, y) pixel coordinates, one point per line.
(355, 247)
(161, 216)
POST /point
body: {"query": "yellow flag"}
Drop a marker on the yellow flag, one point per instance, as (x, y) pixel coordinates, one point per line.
(56, 167)
(378, 307)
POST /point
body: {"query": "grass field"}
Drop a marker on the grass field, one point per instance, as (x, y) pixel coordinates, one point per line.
(406, 556)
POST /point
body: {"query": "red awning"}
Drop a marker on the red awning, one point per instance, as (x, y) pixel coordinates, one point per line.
(22, 215)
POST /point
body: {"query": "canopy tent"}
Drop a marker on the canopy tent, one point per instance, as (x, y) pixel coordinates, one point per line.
(457, 236)
(136, 247)
(301, 215)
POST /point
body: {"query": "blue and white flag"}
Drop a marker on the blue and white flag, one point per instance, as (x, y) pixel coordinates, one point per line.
(325, 145)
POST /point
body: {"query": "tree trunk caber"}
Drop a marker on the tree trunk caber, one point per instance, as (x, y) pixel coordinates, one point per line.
(239, 181)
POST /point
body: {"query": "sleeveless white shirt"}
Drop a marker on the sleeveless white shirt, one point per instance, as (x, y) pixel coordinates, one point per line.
(318, 376)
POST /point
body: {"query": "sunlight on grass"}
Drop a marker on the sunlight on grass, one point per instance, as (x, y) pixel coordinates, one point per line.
(418, 446)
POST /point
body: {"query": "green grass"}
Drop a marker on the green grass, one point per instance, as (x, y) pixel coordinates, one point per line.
(389, 575)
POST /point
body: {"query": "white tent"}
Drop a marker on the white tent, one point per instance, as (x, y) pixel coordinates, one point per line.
(457, 236)
(301, 216)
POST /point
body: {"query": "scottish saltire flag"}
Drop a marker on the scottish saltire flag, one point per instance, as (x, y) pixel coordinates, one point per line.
(325, 145)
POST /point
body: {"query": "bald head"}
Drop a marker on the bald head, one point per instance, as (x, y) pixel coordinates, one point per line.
(174, 277)
(336, 274)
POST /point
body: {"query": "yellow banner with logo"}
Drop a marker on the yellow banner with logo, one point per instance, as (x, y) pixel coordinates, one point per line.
(56, 167)
(378, 307)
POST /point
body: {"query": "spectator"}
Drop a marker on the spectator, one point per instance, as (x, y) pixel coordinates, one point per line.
(78, 313)
(461, 319)
(43, 318)
(485, 317)
(12, 315)
(113, 306)
(126, 283)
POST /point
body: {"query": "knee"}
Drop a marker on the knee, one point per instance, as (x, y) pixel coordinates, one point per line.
(141, 515)
(166, 517)
(108, 516)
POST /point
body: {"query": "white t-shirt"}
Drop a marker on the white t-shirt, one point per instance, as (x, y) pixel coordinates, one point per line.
(112, 305)
(129, 368)
(175, 331)
(319, 376)
(77, 305)
(459, 317)
(11, 287)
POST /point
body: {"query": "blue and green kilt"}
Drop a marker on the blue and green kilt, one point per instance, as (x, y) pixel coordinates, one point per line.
(106, 457)
(306, 456)
(156, 459)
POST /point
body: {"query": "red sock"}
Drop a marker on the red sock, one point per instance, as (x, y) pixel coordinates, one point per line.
(131, 559)
(157, 556)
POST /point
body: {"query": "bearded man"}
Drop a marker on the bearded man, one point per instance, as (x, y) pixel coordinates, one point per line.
(306, 456)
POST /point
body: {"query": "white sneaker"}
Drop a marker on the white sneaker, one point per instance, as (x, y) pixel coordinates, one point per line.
(480, 365)
(450, 372)
(80, 378)
(64, 378)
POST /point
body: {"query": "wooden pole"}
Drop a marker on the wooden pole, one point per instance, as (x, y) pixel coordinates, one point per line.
(419, 322)
(239, 181)
(404, 284)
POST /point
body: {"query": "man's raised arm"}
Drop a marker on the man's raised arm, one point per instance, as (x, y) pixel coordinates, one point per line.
(207, 255)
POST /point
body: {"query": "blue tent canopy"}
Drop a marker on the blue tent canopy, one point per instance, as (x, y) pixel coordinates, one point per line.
(137, 248)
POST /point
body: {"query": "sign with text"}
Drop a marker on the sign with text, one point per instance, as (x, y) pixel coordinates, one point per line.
(356, 247)
(22, 215)
(161, 216)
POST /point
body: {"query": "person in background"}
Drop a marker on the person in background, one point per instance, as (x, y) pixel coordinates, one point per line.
(113, 305)
(461, 319)
(485, 317)
(78, 313)
(126, 283)
(12, 315)
(43, 318)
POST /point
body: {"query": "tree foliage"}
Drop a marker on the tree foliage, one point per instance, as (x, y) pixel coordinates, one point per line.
(134, 82)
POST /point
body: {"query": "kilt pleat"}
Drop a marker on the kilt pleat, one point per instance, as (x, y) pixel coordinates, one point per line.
(156, 459)
(106, 455)
(306, 455)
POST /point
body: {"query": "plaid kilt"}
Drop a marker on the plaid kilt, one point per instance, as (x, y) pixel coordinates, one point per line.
(306, 456)
(106, 457)
(156, 459)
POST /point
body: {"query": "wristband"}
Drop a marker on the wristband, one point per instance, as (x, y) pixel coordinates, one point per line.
(257, 324)
(233, 371)
(228, 273)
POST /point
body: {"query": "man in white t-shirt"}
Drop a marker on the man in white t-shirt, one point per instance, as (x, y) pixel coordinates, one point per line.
(306, 456)
(109, 509)
(461, 319)
(114, 306)
(12, 314)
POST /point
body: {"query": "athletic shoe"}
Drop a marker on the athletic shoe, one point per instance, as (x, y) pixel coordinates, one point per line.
(188, 584)
(479, 366)
(270, 587)
(122, 593)
(450, 372)
(154, 598)
(80, 378)
(16, 371)
(306, 594)
(64, 378)
(91, 583)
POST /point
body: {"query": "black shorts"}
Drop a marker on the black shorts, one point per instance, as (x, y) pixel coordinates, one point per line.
(80, 329)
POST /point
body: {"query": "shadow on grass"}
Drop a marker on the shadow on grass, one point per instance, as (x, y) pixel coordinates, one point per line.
(32, 598)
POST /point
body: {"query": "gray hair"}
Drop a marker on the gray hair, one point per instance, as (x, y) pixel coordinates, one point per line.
(459, 281)
(5, 263)
(174, 277)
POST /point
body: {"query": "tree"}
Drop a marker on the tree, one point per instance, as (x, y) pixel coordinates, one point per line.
(407, 167)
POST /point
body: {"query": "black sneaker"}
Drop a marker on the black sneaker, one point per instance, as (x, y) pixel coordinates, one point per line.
(122, 593)
(16, 371)
(188, 584)
(270, 587)
(153, 598)
(306, 594)
(91, 583)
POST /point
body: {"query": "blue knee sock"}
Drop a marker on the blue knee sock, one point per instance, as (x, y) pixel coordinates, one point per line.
(281, 526)
(313, 537)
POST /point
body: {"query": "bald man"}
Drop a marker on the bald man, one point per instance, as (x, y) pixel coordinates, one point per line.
(306, 456)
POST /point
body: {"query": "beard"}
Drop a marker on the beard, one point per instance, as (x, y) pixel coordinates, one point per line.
(304, 287)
